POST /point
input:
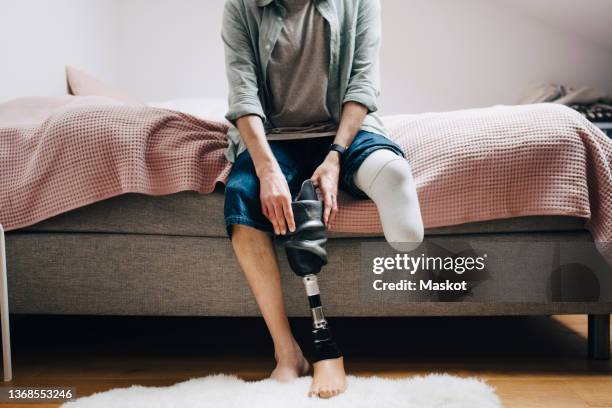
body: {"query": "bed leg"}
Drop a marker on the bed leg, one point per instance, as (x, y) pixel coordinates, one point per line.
(7, 366)
(599, 336)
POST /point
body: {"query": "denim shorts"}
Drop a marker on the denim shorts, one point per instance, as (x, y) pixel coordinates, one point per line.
(298, 160)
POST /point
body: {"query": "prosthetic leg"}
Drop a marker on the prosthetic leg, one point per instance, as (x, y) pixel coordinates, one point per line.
(306, 254)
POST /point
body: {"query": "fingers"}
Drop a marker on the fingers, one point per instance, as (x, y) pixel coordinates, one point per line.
(264, 209)
(288, 214)
(334, 209)
(271, 216)
(316, 182)
(269, 210)
(276, 206)
(279, 212)
(328, 192)
(279, 217)
(328, 203)
(275, 199)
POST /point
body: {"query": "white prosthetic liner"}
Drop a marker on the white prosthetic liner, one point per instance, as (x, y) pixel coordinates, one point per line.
(386, 179)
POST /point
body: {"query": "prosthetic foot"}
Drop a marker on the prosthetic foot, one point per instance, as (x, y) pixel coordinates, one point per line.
(306, 254)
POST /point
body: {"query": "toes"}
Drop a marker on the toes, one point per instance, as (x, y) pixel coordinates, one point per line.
(330, 393)
(325, 394)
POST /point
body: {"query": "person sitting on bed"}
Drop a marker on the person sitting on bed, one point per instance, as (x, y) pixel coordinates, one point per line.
(303, 82)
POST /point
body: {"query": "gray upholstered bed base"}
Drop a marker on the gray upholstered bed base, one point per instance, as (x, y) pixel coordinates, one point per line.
(83, 263)
(138, 274)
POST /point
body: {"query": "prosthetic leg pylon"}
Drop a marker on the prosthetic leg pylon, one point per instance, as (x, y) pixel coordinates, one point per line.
(307, 255)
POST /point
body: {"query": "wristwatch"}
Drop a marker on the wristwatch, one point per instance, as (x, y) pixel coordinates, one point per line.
(334, 147)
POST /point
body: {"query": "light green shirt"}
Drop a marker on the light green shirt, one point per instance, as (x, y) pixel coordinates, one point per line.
(250, 31)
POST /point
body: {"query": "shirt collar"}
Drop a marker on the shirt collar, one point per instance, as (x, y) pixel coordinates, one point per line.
(264, 3)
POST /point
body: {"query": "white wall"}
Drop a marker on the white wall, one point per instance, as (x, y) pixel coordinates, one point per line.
(171, 48)
(448, 54)
(437, 54)
(589, 19)
(39, 37)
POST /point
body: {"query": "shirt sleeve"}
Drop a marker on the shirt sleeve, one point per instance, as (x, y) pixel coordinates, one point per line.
(240, 64)
(363, 86)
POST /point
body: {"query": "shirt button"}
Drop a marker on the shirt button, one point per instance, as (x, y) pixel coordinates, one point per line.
(280, 19)
(268, 47)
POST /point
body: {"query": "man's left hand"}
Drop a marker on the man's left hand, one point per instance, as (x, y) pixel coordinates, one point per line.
(325, 178)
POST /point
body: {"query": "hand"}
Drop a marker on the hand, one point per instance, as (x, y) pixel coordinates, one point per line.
(276, 201)
(325, 178)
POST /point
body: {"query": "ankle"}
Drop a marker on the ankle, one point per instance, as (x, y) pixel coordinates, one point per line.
(289, 353)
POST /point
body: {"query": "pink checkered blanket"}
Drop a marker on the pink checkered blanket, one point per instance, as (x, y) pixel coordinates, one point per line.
(469, 165)
(62, 153)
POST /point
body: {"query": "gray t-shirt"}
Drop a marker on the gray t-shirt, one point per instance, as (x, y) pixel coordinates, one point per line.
(298, 75)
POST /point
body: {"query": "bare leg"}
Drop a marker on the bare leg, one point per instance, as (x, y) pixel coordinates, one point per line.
(257, 258)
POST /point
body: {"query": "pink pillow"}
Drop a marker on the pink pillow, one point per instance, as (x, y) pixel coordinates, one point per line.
(83, 84)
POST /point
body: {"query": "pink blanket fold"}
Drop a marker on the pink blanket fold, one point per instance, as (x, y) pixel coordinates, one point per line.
(88, 149)
(470, 165)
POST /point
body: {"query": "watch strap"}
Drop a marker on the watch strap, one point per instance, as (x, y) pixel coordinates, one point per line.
(337, 148)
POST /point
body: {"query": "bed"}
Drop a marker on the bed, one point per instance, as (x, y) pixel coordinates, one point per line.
(109, 234)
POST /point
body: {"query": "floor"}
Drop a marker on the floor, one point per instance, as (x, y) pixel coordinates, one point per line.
(532, 361)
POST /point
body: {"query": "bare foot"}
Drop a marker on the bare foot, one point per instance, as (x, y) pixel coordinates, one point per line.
(290, 366)
(329, 378)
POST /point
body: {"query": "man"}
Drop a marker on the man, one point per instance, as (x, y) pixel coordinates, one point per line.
(303, 82)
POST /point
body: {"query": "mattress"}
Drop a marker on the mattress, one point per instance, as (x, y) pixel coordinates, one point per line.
(194, 214)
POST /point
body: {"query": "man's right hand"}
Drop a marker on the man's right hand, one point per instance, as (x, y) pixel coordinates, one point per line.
(274, 193)
(276, 200)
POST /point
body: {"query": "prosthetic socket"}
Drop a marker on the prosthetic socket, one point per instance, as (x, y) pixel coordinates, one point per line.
(306, 254)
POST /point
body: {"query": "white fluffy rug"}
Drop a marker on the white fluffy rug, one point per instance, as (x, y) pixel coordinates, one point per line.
(222, 391)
